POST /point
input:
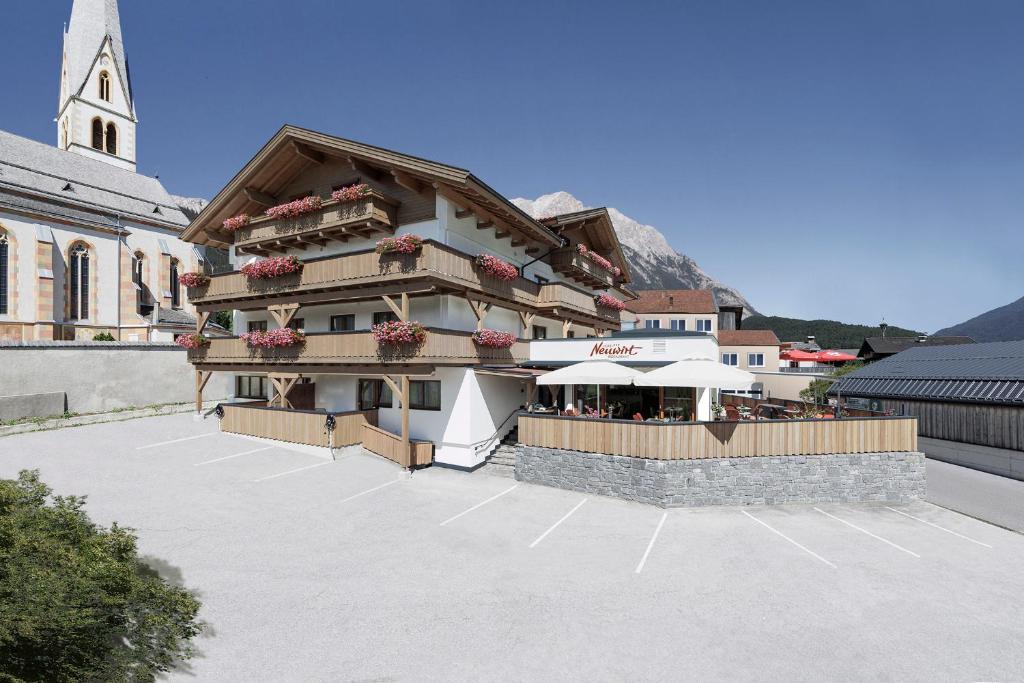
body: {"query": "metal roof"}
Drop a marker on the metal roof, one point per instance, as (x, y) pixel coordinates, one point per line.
(966, 373)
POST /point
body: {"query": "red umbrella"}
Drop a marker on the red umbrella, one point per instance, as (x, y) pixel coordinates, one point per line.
(830, 356)
(797, 355)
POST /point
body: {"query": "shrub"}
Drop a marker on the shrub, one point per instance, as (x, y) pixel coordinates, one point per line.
(351, 193)
(275, 266)
(296, 208)
(497, 268)
(194, 279)
(236, 222)
(77, 602)
(494, 339)
(283, 336)
(395, 332)
(406, 244)
(103, 336)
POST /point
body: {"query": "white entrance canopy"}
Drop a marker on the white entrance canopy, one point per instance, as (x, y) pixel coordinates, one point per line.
(591, 372)
(697, 372)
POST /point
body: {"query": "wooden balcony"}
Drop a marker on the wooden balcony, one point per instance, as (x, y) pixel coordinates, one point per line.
(329, 349)
(366, 274)
(336, 221)
(571, 264)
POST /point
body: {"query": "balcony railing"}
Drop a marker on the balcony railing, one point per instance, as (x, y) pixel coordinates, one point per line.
(444, 266)
(442, 347)
(336, 220)
(570, 263)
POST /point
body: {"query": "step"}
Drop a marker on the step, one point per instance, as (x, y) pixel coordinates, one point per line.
(498, 470)
(501, 460)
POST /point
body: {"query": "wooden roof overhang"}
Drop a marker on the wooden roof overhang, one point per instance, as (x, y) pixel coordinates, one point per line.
(593, 228)
(292, 151)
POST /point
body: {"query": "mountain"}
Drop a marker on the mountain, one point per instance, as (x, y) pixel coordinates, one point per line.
(1005, 323)
(653, 263)
(828, 334)
(190, 206)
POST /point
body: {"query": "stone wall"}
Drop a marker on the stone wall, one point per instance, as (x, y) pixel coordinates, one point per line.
(840, 478)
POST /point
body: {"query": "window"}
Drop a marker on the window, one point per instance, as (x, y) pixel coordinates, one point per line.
(384, 317)
(137, 268)
(4, 269)
(571, 335)
(679, 324)
(297, 324)
(256, 326)
(345, 322)
(374, 393)
(64, 133)
(174, 286)
(730, 358)
(541, 279)
(104, 86)
(97, 134)
(78, 283)
(704, 325)
(111, 139)
(540, 332)
(425, 395)
(251, 386)
(652, 324)
(755, 360)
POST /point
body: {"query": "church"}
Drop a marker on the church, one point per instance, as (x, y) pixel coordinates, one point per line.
(87, 245)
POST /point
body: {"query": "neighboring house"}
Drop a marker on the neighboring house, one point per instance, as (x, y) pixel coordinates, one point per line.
(483, 266)
(752, 350)
(965, 393)
(877, 348)
(682, 310)
(86, 244)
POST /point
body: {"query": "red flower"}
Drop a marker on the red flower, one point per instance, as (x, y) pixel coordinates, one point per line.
(351, 193)
(236, 222)
(283, 336)
(194, 279)
(497, 268)
(406, 244)
(395, 332)
(609, 301)
(296, 208)
(271, 267)
(191, 341)
(494, 339)
(594, 257)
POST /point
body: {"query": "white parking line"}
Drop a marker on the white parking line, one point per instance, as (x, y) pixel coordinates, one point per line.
(228, 457)
(478, 505)
(297, 469)
(555, 525)
(165, 443)
(865, 531)
(940, 528)
(375, 488)
(776, 531)
(657, 530)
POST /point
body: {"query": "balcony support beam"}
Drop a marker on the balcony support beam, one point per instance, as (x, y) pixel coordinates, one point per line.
(480, 310)
(202, 317)
(283, 314)
(306, 153)
(407, 181)
(566, 328)
(260, 197)
(401, 311)
(202, 377)
(400, 390)
(527, 320)
(283, 384)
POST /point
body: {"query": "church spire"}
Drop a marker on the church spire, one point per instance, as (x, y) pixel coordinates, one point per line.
(96, 115)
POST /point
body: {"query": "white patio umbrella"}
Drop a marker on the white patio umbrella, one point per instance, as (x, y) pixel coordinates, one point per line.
(591, 372)
(696, 372)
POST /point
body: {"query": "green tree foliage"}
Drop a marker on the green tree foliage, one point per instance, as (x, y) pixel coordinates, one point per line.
(103, 336)
(223, 318)
(76, 602)
(818, 388)
(829, 334)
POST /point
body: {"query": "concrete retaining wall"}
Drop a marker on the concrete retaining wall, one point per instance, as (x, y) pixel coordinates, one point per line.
(99, 376)
(31, 405)
(840, 478)
(1001, 461)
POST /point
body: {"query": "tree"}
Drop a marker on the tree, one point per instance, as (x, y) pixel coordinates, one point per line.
(816, 392)
(224, 319)
(76, 602)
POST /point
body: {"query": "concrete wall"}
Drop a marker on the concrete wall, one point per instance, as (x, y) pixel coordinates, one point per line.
(31, 405)
(840, 478)
(1001, 461)
(787, 385)
(98, 376)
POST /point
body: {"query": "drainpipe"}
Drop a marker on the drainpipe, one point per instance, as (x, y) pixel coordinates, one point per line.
(565, 243)
(120, 235)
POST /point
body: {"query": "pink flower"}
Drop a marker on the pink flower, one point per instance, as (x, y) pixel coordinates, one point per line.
(406, 244)
(609, 301)
(296, 208)
(494, 339)
(271, 267)
(191, 341)
(281, 337)
(194, 279)
(351, 193)
(594, 257)
(497, 268)
(395, 332)
(236, 222)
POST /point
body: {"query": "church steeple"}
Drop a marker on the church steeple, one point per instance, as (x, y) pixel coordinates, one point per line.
(96, 114)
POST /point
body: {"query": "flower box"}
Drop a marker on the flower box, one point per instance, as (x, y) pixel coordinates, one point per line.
(396, 332)
(351, 193)
(609, 301)
(494, 339)
(192, 341)
(194, 279)
(405, 244)
(496, 268)
(297, 208)
(236, 222)
(596, 258)
(272, 339)
(275, 266)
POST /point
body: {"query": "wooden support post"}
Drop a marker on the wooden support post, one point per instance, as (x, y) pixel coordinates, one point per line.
(527, 320)
(401, 311)
(201, 379)
(480, 310)
(202, 317)
(284, 313)
(407, 445)
(405, 306)
(283, 384)
(566, 328)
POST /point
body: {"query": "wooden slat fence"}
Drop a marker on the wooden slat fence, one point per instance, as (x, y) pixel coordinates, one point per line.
(752, 403)
(684, 441)
(296, 426)
(390, 446)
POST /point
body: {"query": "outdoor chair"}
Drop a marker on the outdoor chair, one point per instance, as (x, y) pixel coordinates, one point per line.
(732, 414)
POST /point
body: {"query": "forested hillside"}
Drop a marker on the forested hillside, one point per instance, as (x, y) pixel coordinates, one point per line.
(830, 334)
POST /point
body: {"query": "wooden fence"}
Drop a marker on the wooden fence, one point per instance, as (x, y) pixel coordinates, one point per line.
(296, 426)
(752, 403)
(684, 441)
(391, 446)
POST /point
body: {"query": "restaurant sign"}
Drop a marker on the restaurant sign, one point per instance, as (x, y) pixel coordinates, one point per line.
(633, 349)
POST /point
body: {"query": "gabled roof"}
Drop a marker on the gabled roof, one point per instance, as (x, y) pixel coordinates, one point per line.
(92, 21)
(594, 228)
(288, 154)
(890, 345)
(674, 301)
(747, 338)
(34, 177)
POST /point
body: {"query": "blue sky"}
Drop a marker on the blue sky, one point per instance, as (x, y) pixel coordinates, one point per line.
(846, 160)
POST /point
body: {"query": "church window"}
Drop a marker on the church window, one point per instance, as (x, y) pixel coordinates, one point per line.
(104, 86)
(97, 134)
(111, 138)
(175, 286)
(4, 269)
(137, 267)
(78, 283)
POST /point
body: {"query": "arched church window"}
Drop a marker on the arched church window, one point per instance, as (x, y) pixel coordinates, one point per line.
(104, 86)
(111, 138)
(4, 270)
(97, 134)
(175, 286)
(137, 267)
(78, 283)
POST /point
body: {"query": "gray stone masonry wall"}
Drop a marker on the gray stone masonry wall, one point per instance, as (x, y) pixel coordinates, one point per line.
(839, 478)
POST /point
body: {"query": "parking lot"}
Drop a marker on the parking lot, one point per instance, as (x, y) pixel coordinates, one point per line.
(310, 569)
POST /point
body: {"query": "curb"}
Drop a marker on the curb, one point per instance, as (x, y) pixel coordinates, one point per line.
(99, 418)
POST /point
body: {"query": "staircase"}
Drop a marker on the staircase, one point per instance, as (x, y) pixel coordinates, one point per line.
(502, 460)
